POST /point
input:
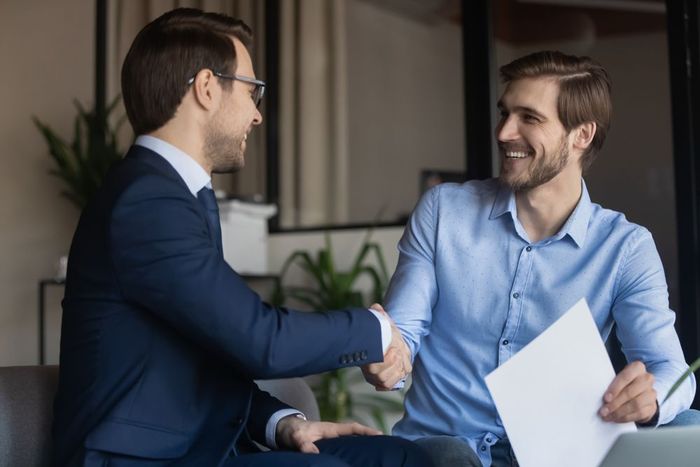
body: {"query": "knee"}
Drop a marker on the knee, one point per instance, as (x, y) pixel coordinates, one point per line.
(414, 455)
(404, 453)
(322, 460)
(450, 451)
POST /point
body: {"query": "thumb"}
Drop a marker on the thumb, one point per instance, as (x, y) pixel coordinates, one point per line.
(308, 447)
(377, 307)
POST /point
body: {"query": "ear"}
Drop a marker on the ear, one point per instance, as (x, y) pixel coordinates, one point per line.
(583, 135)
(206, 89)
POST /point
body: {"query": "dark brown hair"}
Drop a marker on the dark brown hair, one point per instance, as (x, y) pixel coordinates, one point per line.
(584, 91)
(169, 51)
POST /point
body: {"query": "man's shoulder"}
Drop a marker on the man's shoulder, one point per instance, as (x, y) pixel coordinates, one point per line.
(135, 181)
(614, 224)
(144, 172)
(472, 189)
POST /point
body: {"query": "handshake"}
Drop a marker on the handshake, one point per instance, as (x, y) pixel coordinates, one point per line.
(397, 360)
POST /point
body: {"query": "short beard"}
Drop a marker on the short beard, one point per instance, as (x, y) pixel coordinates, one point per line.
(543, 171)
(223, 151)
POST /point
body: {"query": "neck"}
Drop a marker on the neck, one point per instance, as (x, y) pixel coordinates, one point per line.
(543, 210)
(184, 138)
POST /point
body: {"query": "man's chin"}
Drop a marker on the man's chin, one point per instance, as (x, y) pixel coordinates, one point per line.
(513, 183)
(229, 166)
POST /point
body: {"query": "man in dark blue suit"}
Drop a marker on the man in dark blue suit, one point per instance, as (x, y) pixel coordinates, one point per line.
(161, 339)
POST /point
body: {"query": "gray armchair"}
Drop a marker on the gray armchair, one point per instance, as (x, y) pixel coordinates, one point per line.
(26, 406)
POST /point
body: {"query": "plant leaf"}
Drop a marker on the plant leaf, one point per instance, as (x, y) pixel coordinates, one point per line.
(692, 369)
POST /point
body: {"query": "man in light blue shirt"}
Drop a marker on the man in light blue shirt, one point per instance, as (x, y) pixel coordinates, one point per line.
(486, 266)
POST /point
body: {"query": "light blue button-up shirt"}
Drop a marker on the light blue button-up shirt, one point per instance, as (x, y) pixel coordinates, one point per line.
(471, 290)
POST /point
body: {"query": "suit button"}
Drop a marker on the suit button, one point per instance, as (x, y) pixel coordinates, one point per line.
(356, 356)
(238, 421)
(364, 355)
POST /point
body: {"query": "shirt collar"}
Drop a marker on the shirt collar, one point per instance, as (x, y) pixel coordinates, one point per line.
(194, 176)
(576, 226)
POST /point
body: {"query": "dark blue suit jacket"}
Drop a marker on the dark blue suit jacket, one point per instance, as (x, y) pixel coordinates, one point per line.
(161, 339)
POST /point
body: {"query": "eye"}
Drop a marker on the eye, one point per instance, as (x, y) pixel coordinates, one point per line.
(529, 118)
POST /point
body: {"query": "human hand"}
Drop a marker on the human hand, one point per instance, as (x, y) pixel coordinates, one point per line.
(297, 434)
(397, 360)
(630, 397)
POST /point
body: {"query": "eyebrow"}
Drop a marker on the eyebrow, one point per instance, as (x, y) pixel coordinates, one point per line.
(522, 109)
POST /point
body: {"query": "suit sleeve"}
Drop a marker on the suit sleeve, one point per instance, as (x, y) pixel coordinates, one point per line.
(165, 263)
(263, 406)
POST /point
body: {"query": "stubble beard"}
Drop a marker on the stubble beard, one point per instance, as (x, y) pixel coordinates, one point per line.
(542, 171)
(223, 150)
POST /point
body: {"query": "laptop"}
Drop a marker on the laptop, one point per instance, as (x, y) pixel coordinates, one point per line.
(664, 447)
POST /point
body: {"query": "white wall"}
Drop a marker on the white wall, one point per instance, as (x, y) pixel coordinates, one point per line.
(46, 52)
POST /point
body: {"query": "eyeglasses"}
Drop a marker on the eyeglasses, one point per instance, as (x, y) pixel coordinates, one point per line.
(258, 92)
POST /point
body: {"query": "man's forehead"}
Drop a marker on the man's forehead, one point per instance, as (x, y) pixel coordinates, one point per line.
(244, 64)
(538, 93)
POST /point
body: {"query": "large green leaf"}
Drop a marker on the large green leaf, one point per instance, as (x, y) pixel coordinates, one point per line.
(82, 164)
(692, 369)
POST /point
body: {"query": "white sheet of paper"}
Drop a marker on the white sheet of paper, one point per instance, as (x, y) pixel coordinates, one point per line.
(548, 395)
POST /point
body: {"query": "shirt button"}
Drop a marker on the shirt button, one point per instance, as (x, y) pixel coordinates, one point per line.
(528, 248)
(483, 448)
(516, 295)
(488, 440)
(506, 342)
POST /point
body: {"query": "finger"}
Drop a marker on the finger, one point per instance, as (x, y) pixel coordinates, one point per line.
(390, 359)
(354, 428)
(386, 379)
(391, 375)
(639, 409)
(406, 360)
(308, 447)
(377, 307)
(642, 384)
(624, 378)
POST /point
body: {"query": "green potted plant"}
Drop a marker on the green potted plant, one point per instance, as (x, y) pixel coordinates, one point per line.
(333, 289)
(82, 163)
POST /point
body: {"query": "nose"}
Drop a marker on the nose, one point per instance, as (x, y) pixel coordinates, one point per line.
(257, 118)
(507, 129)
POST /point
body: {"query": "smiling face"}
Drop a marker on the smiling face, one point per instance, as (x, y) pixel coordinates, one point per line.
(227, 131)
(533, 144)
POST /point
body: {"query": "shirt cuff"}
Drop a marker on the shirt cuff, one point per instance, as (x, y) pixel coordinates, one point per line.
(271, 427)
(386, 329)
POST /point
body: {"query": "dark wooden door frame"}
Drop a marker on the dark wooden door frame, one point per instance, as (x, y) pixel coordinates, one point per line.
(684, 62)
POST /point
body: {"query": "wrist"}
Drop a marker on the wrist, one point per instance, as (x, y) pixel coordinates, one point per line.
(285, 427)
(652, 421)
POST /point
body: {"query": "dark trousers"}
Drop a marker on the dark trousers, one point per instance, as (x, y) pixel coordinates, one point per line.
(348, 451)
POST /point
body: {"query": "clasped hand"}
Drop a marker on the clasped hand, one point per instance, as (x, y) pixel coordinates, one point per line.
(397, 360)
